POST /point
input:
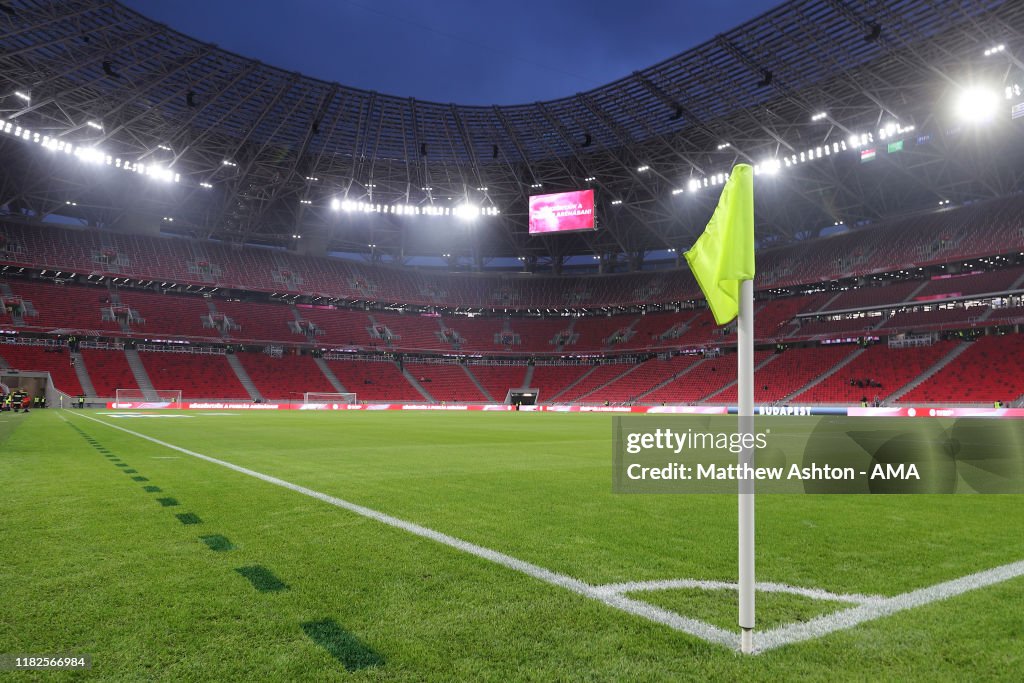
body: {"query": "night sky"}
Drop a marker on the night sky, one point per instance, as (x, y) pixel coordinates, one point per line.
(463, 51)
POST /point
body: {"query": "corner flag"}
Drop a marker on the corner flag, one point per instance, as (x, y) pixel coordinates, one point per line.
(722, 260)
(724, 254)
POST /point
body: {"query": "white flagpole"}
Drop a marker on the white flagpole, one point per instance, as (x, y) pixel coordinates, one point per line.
(745, 386)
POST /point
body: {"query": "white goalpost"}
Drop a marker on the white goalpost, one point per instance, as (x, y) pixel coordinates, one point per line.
(327, 398)
(137, 398)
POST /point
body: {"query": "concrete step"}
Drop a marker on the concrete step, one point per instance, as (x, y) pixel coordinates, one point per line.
(825, 375)
(331, 377)
(141, 376)
(479, 386)
(243, 377)
(923, 377)
(419, 387)
(630, 370)
(83, 374)
(572, 384)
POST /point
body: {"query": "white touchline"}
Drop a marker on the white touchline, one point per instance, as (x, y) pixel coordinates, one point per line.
(869, 607)
(694, 627)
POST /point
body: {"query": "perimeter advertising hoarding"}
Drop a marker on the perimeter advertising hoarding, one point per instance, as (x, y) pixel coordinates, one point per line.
(562, 212)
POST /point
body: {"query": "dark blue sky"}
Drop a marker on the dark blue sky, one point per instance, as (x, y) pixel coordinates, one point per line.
(464, 51)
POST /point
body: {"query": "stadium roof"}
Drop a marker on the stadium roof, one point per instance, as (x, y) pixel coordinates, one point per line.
(262, 152)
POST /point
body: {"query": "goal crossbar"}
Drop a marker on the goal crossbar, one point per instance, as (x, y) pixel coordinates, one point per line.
(157, 398)
(323, 397)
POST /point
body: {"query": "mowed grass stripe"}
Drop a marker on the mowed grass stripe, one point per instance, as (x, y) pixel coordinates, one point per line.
(435, 618)
(537, 487)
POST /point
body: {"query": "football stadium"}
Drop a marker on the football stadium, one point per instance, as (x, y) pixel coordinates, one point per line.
(680, 377)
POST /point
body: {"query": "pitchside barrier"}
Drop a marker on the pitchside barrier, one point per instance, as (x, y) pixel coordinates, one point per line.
(922, 411)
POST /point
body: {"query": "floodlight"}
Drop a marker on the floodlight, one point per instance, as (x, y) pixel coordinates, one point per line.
(977, 104)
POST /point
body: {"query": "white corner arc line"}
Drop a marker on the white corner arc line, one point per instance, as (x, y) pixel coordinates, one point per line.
(761, 587)
(820, 626)
(694, 627)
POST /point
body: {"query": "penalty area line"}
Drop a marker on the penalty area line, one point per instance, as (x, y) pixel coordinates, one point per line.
(699, 629)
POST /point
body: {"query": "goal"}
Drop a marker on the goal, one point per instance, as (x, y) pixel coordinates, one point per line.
(136, 398)
(323, 398)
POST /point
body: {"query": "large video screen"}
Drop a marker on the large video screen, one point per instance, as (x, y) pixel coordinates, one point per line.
(562, 212)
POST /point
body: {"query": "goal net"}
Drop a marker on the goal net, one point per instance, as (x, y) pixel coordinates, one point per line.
(324, 398)
(137, 398)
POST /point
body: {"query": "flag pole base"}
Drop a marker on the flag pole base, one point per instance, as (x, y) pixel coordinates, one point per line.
(747, 641)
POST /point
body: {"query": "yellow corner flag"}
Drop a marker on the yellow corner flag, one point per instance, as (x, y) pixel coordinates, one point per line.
(724, 254)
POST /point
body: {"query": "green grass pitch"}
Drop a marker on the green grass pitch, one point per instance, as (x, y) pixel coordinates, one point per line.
(186, 570)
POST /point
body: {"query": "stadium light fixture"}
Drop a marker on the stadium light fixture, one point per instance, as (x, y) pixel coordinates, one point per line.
(819, 116)
(335, 204)
(678, 190)
(94, 124)
(770, 166)
(977, 104)
(305, 201)
(694, 184)
(536, 186)
(22, 95)
(643, 169)
(205, 185)
(616, 202)
(589, 179)
(466, 212)
(228, 162)
(724, 145)
(996, 49)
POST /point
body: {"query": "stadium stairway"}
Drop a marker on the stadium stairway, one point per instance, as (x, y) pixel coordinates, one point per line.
(479, 386)
(243, 377)
(825, 305)
(668, 380)
(529, 376)
(141, 376)
(927, 374)
(412, 380)
(611, 380)
(83, 374)
(731, 384)
(569, 386)
(561, 347)
(374, 325)
(115, 299)
(331, 377)
(1018, 283)
(825, 375)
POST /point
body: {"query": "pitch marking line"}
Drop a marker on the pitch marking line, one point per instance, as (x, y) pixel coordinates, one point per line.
(762, 587)
(871, 607)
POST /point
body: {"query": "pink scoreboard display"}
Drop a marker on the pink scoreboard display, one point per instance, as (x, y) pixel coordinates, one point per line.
(562, 212)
